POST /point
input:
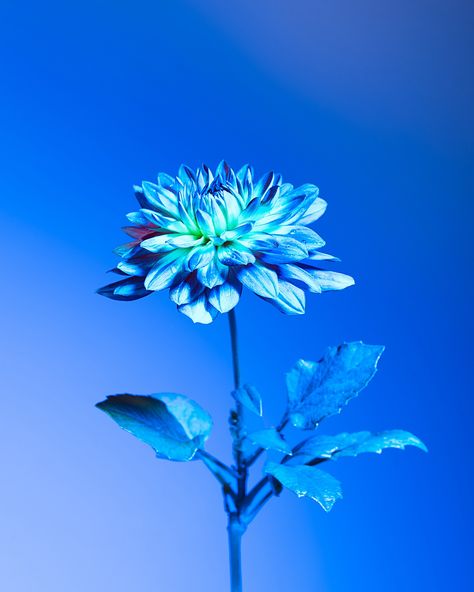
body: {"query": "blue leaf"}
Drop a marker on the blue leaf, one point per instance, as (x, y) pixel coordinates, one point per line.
(173, 425)
(249, 397)
(307, 482)
(270, 439)
(319, 389)
(333, 447)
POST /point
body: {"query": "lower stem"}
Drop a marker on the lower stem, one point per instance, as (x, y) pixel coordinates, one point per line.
(235, 532)
(235, 528)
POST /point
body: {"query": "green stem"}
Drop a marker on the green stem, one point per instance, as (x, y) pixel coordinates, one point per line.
(235, 527)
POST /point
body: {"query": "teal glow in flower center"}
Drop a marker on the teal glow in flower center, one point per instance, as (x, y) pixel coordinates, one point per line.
(204, 236)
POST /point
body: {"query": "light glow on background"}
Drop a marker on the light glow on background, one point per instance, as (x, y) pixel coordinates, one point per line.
(373, 104)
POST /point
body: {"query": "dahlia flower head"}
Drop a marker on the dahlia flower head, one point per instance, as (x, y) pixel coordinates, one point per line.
(204, 236)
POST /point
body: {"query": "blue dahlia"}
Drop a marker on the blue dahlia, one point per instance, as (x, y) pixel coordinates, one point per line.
(203, 236)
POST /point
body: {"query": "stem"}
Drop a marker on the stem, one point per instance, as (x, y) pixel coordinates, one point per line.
(235, 351)
(235, 532)
(236, 528)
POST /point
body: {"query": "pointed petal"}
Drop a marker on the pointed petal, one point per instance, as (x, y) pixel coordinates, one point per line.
(291, 300)
(200, 256)
(261, 280)
(186, 290)
(163, 273)
(310, 239)
(235, 254)
(241, 230)
(291, 271)
(332, 280)
(157, 243)
(263, 183)
(314, 258)
(287, 251)
(213, 274)
(226, 296)
(128, 289)
(199, 311)
(187, 176)
(205, 223)
(314, 212)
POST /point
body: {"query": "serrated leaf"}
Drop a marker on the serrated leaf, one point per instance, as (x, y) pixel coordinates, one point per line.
(173, 425)
(333, 447)
(319, 389)
(270, 439)
(307, 482)
(249, 396)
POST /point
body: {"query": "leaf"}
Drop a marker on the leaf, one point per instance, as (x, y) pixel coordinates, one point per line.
(307, 482)
(319, 389)
(270, 439)
(250, 398)
(333, 447)
(173, 425)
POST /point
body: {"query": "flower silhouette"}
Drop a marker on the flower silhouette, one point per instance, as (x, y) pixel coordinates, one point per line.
(204, 236)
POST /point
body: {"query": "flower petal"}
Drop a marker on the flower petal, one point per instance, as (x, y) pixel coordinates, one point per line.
(213, 274)
(288, 250)
(241, 230)
(187, 290)
(291, 271)
(226, 173)
(138, 232)
(138, 264)
(184, 241)
(161, 199)
(235, 254)
(290, 300)
(332, 280)
(163, 273)
(226, 296)
(199, 311)
(261, 280)
(314, 258)
(205, 223)
(310, 239)
(263, 184)
(129, 289)
(200, 256)
(315, 211)
(157, 243)
(187, 176)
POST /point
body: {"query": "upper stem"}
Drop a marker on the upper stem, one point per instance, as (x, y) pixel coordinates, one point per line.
(235, 349)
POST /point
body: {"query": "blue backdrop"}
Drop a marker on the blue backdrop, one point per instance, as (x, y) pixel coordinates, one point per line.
(372, 101)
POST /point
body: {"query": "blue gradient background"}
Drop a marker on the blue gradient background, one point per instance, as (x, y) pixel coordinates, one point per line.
(371, 100)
